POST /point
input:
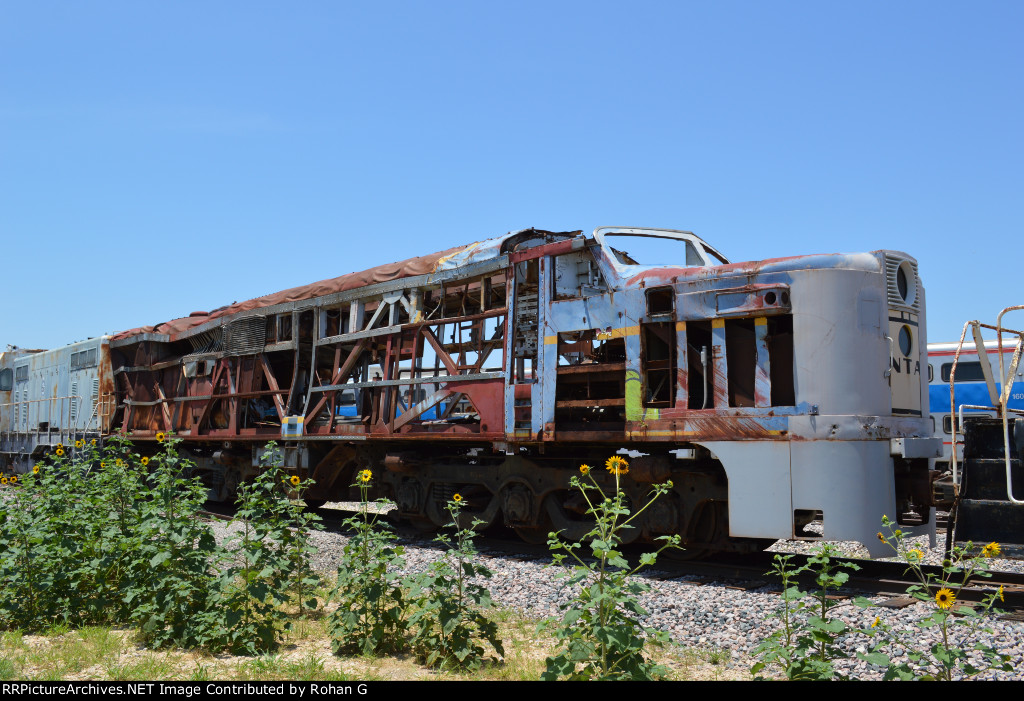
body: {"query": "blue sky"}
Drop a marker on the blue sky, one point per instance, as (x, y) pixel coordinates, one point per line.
(157, 159)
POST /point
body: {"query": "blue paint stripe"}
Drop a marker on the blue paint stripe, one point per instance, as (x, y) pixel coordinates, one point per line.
(970, 393)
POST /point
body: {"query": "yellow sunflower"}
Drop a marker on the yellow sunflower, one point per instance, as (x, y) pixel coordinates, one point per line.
(35, 469)
(119, 462)
(144, 461)
(878, 620)
(294, 479)
(103, 463)
(914, 556)
(14, 479)
(617, 465)
(1001, 593)
(365, 476)
(79, 443)
(991, 550)
(92, 442)
(160, 436)
(880, 536)
(944, 598)
(585, 469)
(59, 451)
(3, 480)
(457, 498)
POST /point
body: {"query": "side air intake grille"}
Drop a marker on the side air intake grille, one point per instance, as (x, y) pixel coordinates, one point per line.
(245, 336)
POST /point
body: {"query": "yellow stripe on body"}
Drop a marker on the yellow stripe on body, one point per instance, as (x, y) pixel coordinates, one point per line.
(602, 335)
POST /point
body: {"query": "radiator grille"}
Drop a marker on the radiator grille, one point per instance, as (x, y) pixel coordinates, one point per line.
(245, 336)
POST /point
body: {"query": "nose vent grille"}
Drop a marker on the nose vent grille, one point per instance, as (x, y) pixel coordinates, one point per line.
(902, 284)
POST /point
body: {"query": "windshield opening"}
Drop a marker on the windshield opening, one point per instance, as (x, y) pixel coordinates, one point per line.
(631, 249)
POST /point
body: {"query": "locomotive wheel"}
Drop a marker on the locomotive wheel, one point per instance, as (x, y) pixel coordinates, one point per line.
(706, 527)
(533, 536)
(536, 535)
(423, 525)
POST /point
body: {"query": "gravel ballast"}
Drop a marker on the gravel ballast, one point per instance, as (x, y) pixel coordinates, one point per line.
(715, 615)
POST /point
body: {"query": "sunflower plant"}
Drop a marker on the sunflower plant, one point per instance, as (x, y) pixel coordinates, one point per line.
(373, 609)
(448, 623)
(805, 647)
(599, 632)
(951, 657)
(169, 592)
(252, 592)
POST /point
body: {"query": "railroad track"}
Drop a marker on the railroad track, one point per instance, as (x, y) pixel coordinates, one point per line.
(749, 572)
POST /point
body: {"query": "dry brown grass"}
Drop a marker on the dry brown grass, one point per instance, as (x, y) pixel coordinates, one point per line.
(100, 654)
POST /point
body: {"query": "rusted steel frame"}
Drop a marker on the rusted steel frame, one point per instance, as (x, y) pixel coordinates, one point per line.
(130, 402)
(417, 360)
(458, 319)
(455, 399)
(999, 328)
(163, 365)
(314, 374)
(418, 409)
(488, 348)
(569, 403)
(164, 409)
(295, 364)
(359, 335)
(341, 373)
(229, 395)
(389, 367)
(218, 370)
(485, 292)
(233, 403)
(126, 420)
(442, 354)
(459, 329)
(332, 401)
(547, 249)
(385, 330)
(592, 368)
(436, 380)
(272, 382)
(179, 415)
(381, 306)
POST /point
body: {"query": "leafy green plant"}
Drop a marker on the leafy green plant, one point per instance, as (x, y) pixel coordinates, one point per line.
(169, 590)
(805, 646)
(448, 622)
(949, 658)
(600, 633)
(25, 559)
(288, 529)
(72, 537)
(373, 609)
(252, 591)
